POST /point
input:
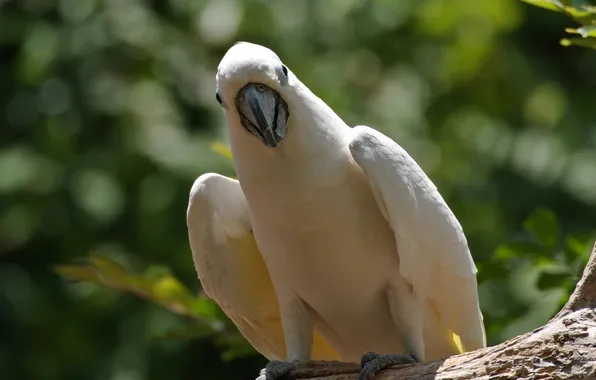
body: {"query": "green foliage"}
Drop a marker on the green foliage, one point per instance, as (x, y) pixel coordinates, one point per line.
(108, 115)
(562, 259)
(581, 11)
(156, 284)
(544, 226)
(551, 262)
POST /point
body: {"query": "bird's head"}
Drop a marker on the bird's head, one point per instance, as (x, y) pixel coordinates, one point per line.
(250, 85)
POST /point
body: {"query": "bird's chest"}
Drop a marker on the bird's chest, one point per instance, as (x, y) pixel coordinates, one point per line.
(305, 227)
(306, 200)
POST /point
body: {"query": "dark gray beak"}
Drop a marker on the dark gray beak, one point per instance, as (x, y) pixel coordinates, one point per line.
(263, 113)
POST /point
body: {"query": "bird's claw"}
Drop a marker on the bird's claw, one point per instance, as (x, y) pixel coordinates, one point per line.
(373, 363)
(278, 370)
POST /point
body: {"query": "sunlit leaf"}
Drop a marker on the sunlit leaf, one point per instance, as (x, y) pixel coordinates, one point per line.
(159, 286)
(171, 292)
(205, 307)
(584, 31)
(583, 42)
(108, 267)
(579, 11)
(222, 149)
(584, 13)
(155, 285)
(546, 4)
(115, 275)
(156, 272)
(543, 224)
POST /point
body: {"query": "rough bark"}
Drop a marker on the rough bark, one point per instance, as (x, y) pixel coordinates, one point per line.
(565, 348)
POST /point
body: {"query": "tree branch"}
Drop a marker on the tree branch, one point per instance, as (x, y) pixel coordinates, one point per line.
(584, 295)
(565, 348)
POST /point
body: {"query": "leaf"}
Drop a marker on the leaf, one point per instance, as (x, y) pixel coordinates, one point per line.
(579, 11)
(205, 307)
(519, 250)
(155, 285)
(577, 250)
(222, 149)
(558, 277)
(116, 276)
(83, 273)
(584, 14)
(582, 42)
(155, 272)
(546, 4)
(158, 285)
(578, 246)
(543, 224)
(173, 294)
(109, 270)
(584, 31)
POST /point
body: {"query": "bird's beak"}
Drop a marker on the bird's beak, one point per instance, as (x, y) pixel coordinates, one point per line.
(263, 113)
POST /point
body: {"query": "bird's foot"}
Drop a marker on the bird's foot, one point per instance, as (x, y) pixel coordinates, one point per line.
(278, 370)
(374, 363)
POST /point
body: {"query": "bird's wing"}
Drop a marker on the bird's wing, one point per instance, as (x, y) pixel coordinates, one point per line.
(231, 269)
(432, 248)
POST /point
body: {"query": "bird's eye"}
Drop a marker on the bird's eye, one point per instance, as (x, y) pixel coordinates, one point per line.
(218, 98)
(284, 69)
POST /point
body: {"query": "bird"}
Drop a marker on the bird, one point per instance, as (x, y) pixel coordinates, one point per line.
(231, 269)
(343, 225)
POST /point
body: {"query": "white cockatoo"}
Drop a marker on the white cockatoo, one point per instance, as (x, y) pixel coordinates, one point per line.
(358, 243)
(231, 269)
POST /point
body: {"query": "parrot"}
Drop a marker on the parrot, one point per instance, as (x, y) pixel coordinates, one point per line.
(231, 269)
(331, 231)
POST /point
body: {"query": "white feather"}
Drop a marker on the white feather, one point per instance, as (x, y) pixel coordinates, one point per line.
(359, 263)
(231, 269)
(433, 250)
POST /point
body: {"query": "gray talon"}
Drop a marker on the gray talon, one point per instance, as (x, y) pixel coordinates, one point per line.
(373, 363)
(278, 370)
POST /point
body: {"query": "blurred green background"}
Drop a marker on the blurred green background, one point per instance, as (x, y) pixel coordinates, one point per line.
(108, 114)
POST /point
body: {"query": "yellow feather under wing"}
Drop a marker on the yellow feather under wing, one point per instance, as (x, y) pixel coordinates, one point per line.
(231, 269)
(457, 342)
(267, 337)
(321, 350)
(440, 341)
(261, 322)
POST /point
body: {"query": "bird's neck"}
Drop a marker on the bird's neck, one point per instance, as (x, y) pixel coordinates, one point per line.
(315, 135)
